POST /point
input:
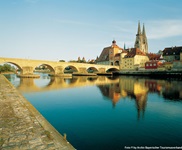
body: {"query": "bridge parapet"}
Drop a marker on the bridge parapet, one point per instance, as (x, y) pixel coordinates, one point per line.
(27, 66)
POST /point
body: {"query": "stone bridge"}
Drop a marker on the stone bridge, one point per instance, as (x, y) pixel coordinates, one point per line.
(27, 66)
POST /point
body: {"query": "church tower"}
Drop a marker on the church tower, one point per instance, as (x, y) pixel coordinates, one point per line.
(141, 39)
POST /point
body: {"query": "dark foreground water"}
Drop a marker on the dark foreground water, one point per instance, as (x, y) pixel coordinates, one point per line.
(109, 113)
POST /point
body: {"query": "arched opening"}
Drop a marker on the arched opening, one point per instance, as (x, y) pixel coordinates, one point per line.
(10, 68)
(112, 70)
(116, 63)
(70, 69)
(92, 70)
(44, 70)
(10, 71)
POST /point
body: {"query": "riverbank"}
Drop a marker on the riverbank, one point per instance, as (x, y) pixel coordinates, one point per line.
(22, 126)
(7, 72)
(153, 74)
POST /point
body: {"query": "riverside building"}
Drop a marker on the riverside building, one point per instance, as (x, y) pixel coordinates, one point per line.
(110, 55)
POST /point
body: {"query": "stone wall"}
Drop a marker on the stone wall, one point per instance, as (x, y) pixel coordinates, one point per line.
(22, 126)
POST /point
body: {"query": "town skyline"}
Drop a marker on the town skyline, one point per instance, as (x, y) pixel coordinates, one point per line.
(61, 30)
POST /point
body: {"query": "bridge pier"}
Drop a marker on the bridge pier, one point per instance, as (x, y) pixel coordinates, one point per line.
(27, 72)
(102, 70)
(59, 72)
(82, 70)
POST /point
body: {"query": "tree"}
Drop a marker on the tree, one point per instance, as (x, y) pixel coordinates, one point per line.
(74, 61)
(83, 60)
(61, 60)
(6, 68)
(79, 59)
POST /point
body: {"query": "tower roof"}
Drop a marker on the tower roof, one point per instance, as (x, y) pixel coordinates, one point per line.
(143, 32)
(133, 52)
(113, 42)
(124, 46)
(139, 29)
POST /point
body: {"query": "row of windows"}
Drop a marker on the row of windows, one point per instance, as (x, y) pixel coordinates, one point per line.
(127, 63)
(173, 53)
(127, 66)
(151, 64)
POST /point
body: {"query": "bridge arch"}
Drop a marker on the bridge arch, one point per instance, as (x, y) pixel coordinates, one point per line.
(70, 69)
(112, 69)
(49, 68)
(15, 64)
(92, 69)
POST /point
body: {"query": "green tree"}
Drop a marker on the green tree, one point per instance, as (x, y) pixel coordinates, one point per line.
(61, 60)
(6, 68)
(79, 59)
(83, 60)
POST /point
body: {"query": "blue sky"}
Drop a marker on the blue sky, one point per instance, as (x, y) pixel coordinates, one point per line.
(67, 29)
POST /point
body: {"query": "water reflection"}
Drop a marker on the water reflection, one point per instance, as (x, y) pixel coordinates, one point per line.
(137, 89)
(114, 88)
(104, 113)
(50, 83)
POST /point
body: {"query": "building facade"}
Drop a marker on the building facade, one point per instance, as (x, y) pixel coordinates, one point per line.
(150, 65)
(171, 54)
(134, 59)
(110, 55)
(155, 60)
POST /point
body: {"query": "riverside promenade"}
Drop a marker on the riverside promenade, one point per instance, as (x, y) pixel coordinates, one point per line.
(22, 127)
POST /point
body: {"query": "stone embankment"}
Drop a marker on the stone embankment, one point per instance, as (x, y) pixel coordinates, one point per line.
(153, 74)
(22, 126)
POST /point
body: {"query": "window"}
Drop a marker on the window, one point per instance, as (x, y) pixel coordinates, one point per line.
(147, 64)
(150, 64)
(154, 64)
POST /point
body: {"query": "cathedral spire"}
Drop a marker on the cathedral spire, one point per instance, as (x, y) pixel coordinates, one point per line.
(143, 32)
(124, 46)
(139, 29)
(141, 39)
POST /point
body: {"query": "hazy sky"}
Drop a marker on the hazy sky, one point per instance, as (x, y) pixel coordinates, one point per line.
(67, 29)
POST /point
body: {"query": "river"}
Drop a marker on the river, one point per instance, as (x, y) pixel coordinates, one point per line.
(108, 113)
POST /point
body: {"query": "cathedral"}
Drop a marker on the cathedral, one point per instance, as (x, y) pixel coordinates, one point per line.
(137, 56)
(141, 39)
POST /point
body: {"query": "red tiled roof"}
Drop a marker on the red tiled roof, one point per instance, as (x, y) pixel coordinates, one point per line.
(124, 51)
(133, 52)
(153, 56)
